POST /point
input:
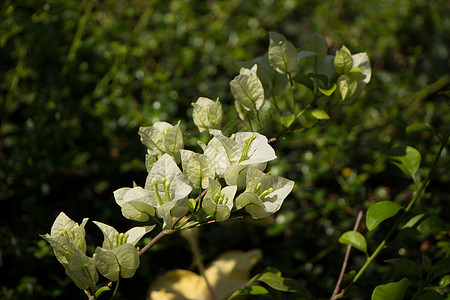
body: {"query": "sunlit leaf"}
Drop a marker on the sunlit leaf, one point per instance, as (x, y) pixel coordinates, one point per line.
(343, 61)
(391, 291)
(320, 114)
(228, 273)
(346, 86)
(355, 239)
(420, 127)
(253, 290)
(413, 221)
(328, 92)
(406, 158)
(380, 211)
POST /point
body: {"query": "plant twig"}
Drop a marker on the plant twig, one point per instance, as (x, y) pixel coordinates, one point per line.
(418, 193)
(164, 232)
(347, 255)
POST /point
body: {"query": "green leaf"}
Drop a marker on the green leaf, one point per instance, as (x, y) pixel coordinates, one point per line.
(272, 277)
(248, 90)
(101, 291)
(320, 114)
(305, 80)
(431, 295)
(304, 54)
(380, 211)
(406, 266)
(355, 239)
(427, 263)
(343, 61)
(430, 225)
(249, 290)
(282, 54)
(413, 221)
(287, 120)
(82, 271)
(407, 159)
(328, 92)
(318, 45)
(391, 291)
(122, 261)
(420, 127)
(441, 268)
(444, 282)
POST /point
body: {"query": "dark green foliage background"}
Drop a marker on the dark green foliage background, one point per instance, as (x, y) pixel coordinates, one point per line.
(73, 98)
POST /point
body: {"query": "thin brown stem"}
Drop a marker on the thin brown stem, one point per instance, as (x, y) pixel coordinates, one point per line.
(347, 255)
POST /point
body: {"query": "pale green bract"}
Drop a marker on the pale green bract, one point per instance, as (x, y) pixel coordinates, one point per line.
(162, 138)
(168, 189)
(132, 236)
(274, 83)
(122, 261)
(355, 71)
(82, 271)
(65, 237)
(264, 194)
(197, 168)
(207, 114)
(247, 149)
(136, 203)
(248, 91)
(218, 202)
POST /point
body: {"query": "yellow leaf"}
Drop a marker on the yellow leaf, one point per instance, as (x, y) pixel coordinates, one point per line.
(228, 273)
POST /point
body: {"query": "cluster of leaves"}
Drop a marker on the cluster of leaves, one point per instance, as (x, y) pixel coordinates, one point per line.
(227, 164)
(407, 159)
(330, 79)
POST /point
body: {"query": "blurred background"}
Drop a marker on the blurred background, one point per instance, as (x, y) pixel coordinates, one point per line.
(78, 78)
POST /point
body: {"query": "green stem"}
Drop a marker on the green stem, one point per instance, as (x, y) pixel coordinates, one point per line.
(291, 82)
(77, 38)
(116, 288)
(417, 195)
